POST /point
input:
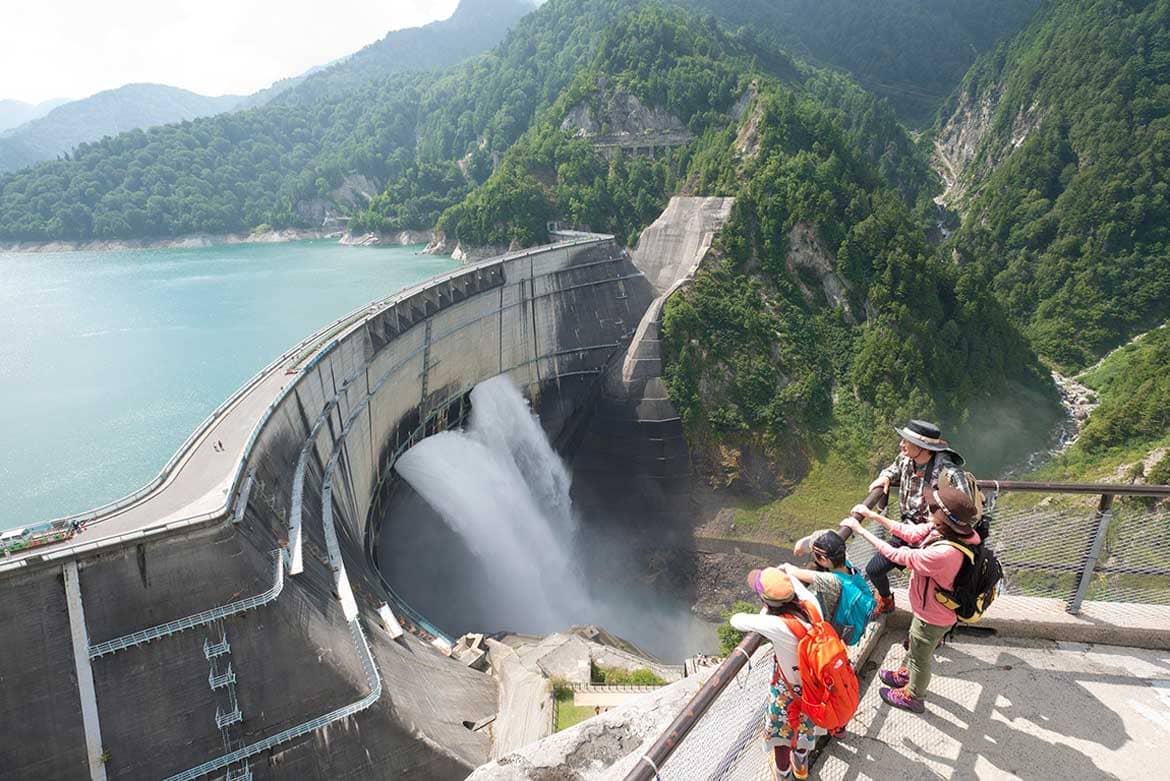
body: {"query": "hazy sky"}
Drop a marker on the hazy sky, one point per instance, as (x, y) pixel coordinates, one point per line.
(74, 48)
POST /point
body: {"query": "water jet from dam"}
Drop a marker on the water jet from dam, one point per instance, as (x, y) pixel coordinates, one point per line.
(500, 486)
(508, 552)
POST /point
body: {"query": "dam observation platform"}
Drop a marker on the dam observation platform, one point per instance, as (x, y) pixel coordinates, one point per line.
(1067, 675)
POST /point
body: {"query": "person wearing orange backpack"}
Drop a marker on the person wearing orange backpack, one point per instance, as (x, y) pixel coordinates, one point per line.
(802, 643)
(933, 565)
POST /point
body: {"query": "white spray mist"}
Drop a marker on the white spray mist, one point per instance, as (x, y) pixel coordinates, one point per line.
(501, 487)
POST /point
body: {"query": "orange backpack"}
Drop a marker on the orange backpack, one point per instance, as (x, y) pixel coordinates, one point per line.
(829, 691)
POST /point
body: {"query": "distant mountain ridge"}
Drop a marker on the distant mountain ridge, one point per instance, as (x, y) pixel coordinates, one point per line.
(475, 27)
(107, 113)
(285, 163)
(17, 112)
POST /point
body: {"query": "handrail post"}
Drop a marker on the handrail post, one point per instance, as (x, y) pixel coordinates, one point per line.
(1089, 562)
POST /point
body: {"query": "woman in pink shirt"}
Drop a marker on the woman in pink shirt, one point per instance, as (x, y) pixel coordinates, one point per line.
(933, 565)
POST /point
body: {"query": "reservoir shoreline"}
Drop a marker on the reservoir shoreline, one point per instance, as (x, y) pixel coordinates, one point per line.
(201, 240)
(189, 241)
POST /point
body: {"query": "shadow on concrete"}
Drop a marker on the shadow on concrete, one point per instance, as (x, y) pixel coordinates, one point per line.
(983, 720)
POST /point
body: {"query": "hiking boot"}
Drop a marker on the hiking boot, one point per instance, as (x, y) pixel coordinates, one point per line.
(884, 605)
(895, 678)
(900, 698)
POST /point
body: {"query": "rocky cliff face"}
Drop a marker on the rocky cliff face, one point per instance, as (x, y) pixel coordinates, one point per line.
(810, 261)
(620, 114)
(966, 151)
(441, 245)
(402, 238)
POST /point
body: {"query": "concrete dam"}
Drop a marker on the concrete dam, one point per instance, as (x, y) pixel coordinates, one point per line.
(234, 624)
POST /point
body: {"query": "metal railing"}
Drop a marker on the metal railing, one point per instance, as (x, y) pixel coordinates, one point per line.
(234, 716)
(1100, 552)
(221, 680)
(199, 619)
(1124, 547)
(212, 650)
(251, 750)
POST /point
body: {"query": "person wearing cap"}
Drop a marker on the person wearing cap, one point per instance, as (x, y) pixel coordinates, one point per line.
(923, 456)
(781, 596)
(952, 516)
(828, 555)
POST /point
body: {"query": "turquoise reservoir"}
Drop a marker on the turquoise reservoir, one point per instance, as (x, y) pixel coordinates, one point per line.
(108, 360)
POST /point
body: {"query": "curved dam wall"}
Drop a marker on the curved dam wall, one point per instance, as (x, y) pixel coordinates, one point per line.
(256, 640)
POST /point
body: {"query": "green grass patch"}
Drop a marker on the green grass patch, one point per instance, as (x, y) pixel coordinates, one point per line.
(569, 714)
(819, 501)
(615, 676)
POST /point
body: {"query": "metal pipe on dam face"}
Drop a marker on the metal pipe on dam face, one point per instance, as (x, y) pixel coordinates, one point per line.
(207, 675)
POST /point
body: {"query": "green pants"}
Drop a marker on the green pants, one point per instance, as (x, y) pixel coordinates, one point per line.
(924, 638)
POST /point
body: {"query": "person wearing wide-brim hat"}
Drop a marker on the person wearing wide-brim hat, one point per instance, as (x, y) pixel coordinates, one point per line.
(783, 596)
(933, 567)
(923, 457)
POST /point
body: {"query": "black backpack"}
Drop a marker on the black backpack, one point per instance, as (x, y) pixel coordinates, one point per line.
(976, 584)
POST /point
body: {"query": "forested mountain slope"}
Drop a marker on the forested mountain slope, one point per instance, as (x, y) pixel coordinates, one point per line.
(911, 52)
(1127, 436)
(827, 314)
(286, 165)
(475, 27)
(1060, 141)
(107, 113)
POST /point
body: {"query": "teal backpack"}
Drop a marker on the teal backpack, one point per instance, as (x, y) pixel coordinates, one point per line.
(855, 606)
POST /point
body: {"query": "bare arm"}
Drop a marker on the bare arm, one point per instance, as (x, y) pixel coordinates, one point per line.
(803, 575)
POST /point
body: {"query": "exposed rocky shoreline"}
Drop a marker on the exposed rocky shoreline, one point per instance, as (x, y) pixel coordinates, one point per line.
(191, 241)
(436, 244)
(402, 238)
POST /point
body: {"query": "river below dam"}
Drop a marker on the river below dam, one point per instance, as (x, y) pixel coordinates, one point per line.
(109, 360)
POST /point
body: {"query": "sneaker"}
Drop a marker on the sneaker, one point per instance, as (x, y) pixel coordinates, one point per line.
(838, 734)
(884, 605)
(800, 764)
(895, 678)
(900, 698)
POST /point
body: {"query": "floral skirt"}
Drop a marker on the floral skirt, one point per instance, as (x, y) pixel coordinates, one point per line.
(776, 726)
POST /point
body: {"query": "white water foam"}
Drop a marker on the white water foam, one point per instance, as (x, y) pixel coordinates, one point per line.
(501, 487)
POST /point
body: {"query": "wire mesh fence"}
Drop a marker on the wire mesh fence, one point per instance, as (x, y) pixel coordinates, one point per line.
(1046, 546)
(727, 741)
(1060, 547)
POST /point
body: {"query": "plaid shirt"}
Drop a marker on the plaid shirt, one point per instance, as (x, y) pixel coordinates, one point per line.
(912, 479)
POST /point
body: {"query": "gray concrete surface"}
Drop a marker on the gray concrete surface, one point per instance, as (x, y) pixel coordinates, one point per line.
(41, 729)
(1016, 708)
(85, 688)
(633, 462)
(526, 703)
(999, 706)
(590, 749)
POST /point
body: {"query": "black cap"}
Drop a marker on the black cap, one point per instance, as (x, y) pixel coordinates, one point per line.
(831, 546)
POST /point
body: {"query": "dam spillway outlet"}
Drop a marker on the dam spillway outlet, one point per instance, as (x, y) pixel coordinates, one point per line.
(486, 538)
